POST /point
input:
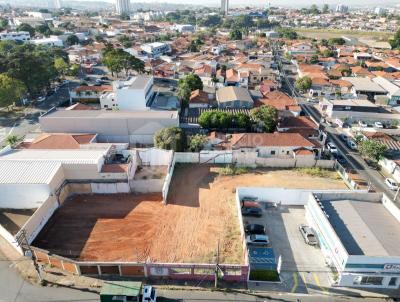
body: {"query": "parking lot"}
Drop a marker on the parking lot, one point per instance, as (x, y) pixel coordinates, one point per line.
(303, 266)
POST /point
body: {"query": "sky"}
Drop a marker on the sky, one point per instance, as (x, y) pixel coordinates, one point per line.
(294, 3)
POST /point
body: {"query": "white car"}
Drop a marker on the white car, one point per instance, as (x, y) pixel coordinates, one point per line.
(257, 239)
(392, 184)
(149, 294)
(378, 125)
(332, 147)
(362, 124)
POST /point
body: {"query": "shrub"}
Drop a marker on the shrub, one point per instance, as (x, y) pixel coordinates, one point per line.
(233, 170)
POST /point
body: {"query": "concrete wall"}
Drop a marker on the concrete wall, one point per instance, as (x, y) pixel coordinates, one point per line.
(10, 239)
(168, 179)
(391, 207)
(187, 157)
(110, 188)
(147, 185)
(37, 221)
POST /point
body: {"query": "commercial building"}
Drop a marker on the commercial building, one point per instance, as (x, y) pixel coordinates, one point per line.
(134, 94)
(365, 86)
(357, 233)
(134, 127)
(392, 88)
(184, 28)
(156, 49)
(15, 36)
(51, 41)
(122, 6)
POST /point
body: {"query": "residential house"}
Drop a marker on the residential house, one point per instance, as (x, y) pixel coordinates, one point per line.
(199, 99)
(300, 124)
(236, 78)
(285, 105)
(89, 93)
(365, 86)
(392, 88)
(234, 97)
(301, 48)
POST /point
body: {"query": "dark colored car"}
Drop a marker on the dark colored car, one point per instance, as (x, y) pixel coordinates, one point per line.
(255, 212)
(104, 78)
(257, 229)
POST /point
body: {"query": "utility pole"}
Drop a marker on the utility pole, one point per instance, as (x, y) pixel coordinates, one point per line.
(217, 267)
(397, 193)
(24, 244)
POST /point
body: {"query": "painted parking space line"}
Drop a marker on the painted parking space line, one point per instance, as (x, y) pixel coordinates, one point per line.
(303, 277)
(319, 283)
(296, 283)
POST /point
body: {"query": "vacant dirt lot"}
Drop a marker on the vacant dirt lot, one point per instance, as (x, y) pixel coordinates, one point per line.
(200, 213)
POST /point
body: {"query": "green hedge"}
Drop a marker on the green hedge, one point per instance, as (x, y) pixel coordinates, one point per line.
(264, 275)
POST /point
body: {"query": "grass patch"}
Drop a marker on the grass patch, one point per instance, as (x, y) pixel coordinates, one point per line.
(232, 170)
(264, 275)
(317, 172)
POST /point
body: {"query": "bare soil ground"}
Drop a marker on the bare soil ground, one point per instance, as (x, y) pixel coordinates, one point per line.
(200, 213)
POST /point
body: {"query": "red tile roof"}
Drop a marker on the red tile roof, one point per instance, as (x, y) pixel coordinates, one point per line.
(58, 141)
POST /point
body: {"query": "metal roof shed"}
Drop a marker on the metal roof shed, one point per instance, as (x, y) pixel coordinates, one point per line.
(120, 291)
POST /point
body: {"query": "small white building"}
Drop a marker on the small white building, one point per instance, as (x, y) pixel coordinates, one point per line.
(15, 36)
(156, 49)
(134, 94)
(184, 28)
(51, 41)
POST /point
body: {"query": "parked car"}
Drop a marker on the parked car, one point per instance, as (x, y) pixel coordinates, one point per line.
(249, 198)
(41, 99)
(351, 144)
(257, 229)
(257, 239)
(149, 294)
(308, 234)
(362, 124)
(392, 184)
(105, 78)
(378, 125)
(255, 212)
(343, 137)
(339, 157)
(332, 147)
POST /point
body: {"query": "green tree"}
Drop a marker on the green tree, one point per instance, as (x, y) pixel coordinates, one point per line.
(287, 33)
(171, 138)
(266, 116)
(26, 27)
(314, 10)
(183, 92)
(303, 83)
(205, 119)
(3, 24)
(197, 142)
(395, 42)
(241, 120)
(325, 9)
(12, 139)
(235, 34)
(61, 66)
(336, 41)
(372, 149)
(44, 29)
(72, 40)
(11, 90)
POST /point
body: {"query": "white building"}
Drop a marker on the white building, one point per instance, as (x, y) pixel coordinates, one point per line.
(15, 36)
(122, 7)
(183, 28)
(341, 8)
(225, 7)
(51, 41)
(134, 94)
(356, 231)
(380, 10)
(156, 49)
(40, 15)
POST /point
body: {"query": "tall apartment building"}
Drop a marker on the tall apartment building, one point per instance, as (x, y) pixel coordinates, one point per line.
(225, 6)
(341, 8)
(122, 6)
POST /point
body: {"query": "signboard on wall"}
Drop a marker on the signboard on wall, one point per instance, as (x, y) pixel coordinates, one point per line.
(159, 271)
(391, 267)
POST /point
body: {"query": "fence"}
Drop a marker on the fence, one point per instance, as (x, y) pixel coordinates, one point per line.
(173, 271)
(353, 180)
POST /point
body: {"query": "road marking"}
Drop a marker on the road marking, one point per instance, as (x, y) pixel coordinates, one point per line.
(296, 283)
(318, 283)
(303, 277)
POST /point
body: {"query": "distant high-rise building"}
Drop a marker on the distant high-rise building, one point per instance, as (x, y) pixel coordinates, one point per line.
(123, 6)
(341, 8)
(225, 6)
(380, 10)
(57, 4)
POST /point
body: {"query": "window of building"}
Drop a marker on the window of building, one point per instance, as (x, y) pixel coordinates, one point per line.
(105, 106)
(368, 280)
(273, 152)
(393, 281)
